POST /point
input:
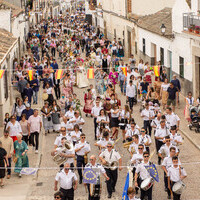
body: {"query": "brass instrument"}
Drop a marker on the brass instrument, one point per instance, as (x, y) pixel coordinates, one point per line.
(85, 158)
(127, 144)
(59, 160)
(111, 165)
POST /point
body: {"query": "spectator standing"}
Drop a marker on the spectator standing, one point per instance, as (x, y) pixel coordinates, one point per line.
(35, 86)
(28, 91)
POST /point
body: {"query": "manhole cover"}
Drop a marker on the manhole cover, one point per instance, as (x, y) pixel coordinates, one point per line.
(39, 184)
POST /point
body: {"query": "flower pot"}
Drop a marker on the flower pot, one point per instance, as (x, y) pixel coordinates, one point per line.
(190, 30)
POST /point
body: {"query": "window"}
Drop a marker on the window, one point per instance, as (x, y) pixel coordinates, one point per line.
(181, 67)
(5, 84)
(129, 6)
(144, 46)
(135, 47)
(123, 38)
(161, 56)
(115, 34)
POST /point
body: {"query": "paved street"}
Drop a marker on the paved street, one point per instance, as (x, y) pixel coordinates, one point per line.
(42, 187)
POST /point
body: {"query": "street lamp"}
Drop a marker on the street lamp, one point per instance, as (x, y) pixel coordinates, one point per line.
(163, 29)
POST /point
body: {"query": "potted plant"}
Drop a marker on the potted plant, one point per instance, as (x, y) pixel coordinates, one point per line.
(191, 28)
(197, 29)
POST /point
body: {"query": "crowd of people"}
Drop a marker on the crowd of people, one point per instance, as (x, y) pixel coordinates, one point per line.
(71, 44)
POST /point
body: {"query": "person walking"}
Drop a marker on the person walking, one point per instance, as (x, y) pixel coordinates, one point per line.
(34, 128)
(3, 162)
(130, 94)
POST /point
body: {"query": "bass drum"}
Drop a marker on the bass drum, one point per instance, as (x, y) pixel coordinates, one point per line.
(95, 189)
(178, 187)
(146, 184)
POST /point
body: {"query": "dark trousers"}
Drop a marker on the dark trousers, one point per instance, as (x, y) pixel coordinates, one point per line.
(91, 197)
(158, 145)
(57, 91)
(147, 125)
(95, 128)
(166, 184)
(67, 194)
(122, 87)
(25, 138)
(113, 175)
(9, 168)
(147, 193)
(53, 52)
(35, 139)
(131, 100)
(80, 163)
(175, 196)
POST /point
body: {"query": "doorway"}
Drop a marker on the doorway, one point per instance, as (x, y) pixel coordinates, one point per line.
(129, 44)
(153, 54)
(169, 61)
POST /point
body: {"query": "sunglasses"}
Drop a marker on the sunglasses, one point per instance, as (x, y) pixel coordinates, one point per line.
(91, 159)
(140, 148)
(57, 197)
(146, 156)
(167, 140)
(82, 137)
(62, 130)
(66, 168)
(142, 131)
(109, 146)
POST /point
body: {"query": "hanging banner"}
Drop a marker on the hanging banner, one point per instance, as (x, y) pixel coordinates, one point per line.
(156, 71)
(90, 73)
(30, 74)
(124, 69)
(1, 73)
(59, 73)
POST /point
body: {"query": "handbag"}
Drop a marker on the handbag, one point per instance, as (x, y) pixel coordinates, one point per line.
(49, 119)
(15, 159)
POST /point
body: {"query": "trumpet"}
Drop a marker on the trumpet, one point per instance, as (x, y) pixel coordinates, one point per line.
(127, 144)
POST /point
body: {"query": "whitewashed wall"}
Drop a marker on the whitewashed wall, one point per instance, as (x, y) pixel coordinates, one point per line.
(5, 16)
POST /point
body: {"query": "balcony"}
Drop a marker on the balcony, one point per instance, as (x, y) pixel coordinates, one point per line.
(191, 23)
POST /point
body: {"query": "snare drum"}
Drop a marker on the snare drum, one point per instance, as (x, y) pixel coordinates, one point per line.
(146, 184)
(95, 189)
(178, 187)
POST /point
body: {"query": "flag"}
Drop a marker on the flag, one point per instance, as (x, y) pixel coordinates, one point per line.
(28, 171)
(59, 73)
(89, 176)
(1, 73)
(124, 69)
(153, 172)
(124, 195)
(30, 74)
(90, 73)
(156, 71)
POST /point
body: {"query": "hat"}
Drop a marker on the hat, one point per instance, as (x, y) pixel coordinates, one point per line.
(28, 105)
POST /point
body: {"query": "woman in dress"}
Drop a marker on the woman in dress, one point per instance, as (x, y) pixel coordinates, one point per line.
(21, 149)
(148, 73)
(14, 128)
(24, 127)
(55, 114)
(113, 76)
(70, 113)
(75, 134)
(114, 121)
(88, 102)
(82, 80)
(13, 112)
(67, 86)
(103, 118)
(157, 88)
(46, 113)
(3, 163)
(141, 67)
(124, 117)
(20, 107)
(49, 91)
(164, 93)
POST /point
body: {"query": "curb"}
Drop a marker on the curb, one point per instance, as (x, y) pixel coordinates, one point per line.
(190, 139)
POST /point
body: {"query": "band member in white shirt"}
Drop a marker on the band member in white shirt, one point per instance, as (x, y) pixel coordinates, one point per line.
(95, 113)
(77, 119)
(131, 194)
(98, 169)
(133, 148)
(65, 123)
(175, 137)
(67, 181)
(172, 119)
(109, 156)
(145, 139)
(114, 121)
(132, 131)
(166, 164)
(175, 174)
(143, 174)
(160, 134)
(75, 134)
(82, 148)
(147, 116)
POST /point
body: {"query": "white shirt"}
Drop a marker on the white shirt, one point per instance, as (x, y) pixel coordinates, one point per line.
(162, 132)
(75, 136)
(111, 156)
(131, 132)
(14, 129)
(69, 114)
(174, 173)
(95, 111)
(77, 121)
(67, 125)
(114, 115)
(104, 118)
(147, 114)
(143, 140)
(167, 162)
(59, 138)
(67, 152)
(123, 115)
(155, 122)
(172, 119)
(142, 170)
(131, 91)
(66, 180)
(138, 158)
(166, 149)
(85, 149)
(176, 137)
(103, 143)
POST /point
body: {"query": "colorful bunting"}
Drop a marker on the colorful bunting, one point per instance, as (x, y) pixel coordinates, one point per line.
(59, 73)
(124, 69)
(1, 73)
(90, 73)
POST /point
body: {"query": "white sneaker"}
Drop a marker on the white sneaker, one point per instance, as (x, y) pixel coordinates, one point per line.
(36, 151)
(20, 175)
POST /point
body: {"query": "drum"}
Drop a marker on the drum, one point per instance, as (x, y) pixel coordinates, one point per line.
(146, 184)
(45, 96)
(178, 187)
(95, 189)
